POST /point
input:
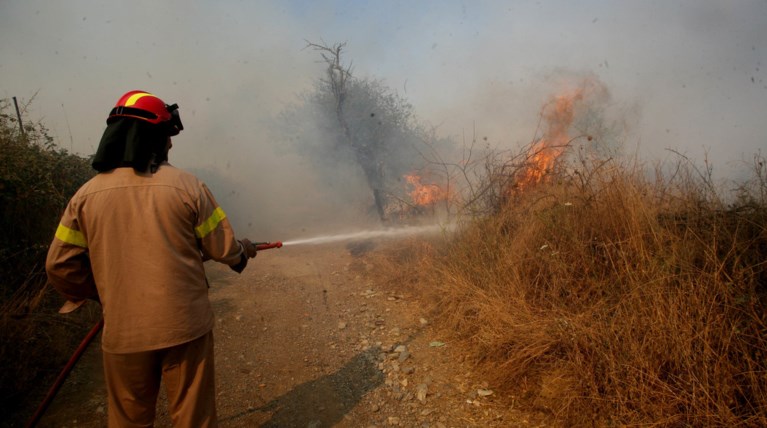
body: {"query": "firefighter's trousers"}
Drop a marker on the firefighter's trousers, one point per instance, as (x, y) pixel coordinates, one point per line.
(133, 383)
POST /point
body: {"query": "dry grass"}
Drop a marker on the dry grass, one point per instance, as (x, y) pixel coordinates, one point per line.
(610, 298)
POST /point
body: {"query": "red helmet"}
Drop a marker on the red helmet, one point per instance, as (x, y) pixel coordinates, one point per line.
(145, 106)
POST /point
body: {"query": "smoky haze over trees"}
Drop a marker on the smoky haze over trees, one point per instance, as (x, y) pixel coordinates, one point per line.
(352, 128)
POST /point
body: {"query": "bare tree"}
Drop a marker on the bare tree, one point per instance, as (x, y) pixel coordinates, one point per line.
(373, 122)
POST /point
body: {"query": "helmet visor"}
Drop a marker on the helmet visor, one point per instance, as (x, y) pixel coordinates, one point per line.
(174, 124)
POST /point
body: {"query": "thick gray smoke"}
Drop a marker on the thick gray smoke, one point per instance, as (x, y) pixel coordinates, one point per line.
(352, 124)
(694, 69)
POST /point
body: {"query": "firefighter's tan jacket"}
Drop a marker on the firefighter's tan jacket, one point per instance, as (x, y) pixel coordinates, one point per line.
(140, 241)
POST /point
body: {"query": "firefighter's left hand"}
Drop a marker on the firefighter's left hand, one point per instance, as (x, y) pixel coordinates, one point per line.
(249, 247)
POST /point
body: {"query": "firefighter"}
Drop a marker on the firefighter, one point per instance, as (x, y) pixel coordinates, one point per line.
(134, 237)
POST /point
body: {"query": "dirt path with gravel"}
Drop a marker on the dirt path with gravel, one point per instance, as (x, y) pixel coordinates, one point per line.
(313, 337)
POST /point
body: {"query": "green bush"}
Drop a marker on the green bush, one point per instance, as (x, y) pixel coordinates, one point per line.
(37, 178)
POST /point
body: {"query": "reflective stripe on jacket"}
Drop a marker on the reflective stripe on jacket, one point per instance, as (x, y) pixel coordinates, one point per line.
(140, 240)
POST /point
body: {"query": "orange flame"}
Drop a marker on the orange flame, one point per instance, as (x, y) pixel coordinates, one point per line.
(424, 194)
(558, 115)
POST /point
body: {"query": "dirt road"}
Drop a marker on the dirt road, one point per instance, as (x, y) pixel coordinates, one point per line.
(314, 337)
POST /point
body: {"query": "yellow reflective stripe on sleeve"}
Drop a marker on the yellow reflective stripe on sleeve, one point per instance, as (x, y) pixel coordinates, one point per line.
(211, 223)
(71, 236)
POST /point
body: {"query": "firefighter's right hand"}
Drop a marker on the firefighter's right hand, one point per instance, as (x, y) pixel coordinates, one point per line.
(249, 248)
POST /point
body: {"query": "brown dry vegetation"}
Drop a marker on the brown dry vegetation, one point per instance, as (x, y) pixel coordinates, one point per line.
(606, 296)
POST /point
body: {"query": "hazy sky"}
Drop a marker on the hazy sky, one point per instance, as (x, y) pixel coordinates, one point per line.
(693, 73)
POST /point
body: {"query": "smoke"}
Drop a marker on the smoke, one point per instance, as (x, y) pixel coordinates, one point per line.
(689, 75)
(280, 196)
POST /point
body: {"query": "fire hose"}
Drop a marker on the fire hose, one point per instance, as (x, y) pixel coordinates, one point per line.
(64, 373)
(267, 245)
(260, 246)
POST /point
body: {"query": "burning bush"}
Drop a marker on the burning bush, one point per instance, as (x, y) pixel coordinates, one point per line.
(600, 295)
(423, 194)
(617, 300)
(573, 127)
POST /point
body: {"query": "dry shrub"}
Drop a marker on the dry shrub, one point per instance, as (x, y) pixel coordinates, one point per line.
(609, 297)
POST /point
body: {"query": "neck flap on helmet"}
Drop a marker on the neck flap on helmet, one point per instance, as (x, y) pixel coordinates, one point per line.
(135, 143)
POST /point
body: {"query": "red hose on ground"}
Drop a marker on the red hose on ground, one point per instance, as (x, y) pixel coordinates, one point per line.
(64, 373)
